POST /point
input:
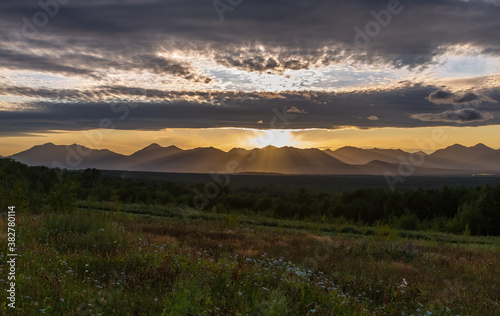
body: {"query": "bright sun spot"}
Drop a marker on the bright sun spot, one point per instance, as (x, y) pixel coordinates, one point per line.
(277, 138)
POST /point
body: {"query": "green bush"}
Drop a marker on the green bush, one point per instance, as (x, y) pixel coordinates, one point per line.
(470, 215)
(62, 199)
(408, 221)
(232, 220)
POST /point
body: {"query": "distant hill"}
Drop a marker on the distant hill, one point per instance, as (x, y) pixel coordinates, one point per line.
(359, 156)
(479, 157)
(147, 158)
(453, 160)
(72, 156)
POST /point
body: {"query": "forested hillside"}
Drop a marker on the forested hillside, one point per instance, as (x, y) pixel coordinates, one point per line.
(458, 210)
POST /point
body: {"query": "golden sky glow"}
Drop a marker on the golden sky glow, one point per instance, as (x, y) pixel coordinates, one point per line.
(127, 142)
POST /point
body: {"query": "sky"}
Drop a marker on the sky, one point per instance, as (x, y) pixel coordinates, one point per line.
(249, 73)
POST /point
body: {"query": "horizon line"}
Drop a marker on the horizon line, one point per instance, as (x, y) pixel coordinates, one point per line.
(253, 148)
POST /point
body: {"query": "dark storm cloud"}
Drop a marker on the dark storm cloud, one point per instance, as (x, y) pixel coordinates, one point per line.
(459, 116)
(159, 65)
(93, 66)
(466, 98)
(258, 35)
(261, 64)
(151, 109)
(15, 60)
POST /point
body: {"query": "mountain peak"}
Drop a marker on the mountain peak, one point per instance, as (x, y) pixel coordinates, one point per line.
(46, 145)
(268, 147)
(152, 146)
(456, 146)
(156, 150)
(238, 150)
(481, 146)
(348, 148)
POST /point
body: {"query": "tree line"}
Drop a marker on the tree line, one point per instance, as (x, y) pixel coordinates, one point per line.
(459, 209)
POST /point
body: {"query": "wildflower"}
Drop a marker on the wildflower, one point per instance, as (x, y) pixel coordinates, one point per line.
(403, 284)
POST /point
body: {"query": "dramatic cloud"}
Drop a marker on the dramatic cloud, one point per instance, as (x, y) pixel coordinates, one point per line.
(256, 60)
(19, 60)
(154, 64)
(459, 116)
(256, 36)
(151, 109)
(96, 66)
(469, 98)
(160, 65)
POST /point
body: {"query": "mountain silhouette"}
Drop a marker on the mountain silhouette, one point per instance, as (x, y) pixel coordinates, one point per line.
(359, 156)
(455, 159)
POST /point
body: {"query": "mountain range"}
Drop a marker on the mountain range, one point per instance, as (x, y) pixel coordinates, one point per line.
(453, 160)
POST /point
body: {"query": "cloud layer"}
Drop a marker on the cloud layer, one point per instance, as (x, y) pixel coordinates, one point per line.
(152, 109)
(204, 69)
(458, 116)
(258, 36)
(467, 98)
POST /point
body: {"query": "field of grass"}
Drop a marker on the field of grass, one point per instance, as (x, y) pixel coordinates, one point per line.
(199, 263)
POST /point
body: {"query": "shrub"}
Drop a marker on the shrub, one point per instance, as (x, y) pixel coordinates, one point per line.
(62, 199)
(384, 232)
(469, 214)
(347, 230)
(408, 221)
(232, 220)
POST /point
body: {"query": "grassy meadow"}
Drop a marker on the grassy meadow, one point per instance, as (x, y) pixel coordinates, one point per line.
(188, 262)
